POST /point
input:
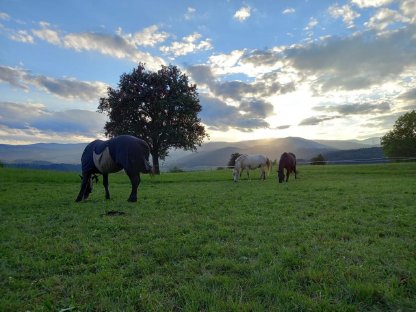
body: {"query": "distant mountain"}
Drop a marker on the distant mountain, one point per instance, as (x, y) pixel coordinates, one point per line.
(362, 155)
(44, 165)
(50, 152)
(209, 155)
(350, 144)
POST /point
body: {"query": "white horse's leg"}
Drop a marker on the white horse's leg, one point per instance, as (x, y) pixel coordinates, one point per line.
(263, 173)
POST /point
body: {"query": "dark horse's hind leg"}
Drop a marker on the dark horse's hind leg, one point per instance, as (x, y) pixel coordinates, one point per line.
(135, 181)
(105, 183)
(85, 181)
(287, 174)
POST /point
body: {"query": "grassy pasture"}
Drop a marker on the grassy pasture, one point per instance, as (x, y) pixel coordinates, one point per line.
(339, 238)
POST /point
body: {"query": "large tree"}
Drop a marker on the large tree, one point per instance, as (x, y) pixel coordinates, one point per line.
(160, 107)
(401, 140)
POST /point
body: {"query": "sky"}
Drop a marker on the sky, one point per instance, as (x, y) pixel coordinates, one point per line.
(334, 70)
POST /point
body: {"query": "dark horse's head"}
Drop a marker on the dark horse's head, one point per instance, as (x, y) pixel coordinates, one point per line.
(90, 185)
(281, 175)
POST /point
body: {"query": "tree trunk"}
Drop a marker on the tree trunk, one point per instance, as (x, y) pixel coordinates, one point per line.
(155, 157)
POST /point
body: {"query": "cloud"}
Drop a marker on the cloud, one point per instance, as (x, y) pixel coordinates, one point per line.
(68, 88)
(316, 120)
(190, 13)
(149, 36)
(312, 23)
(48, 35)
(4, 16)
(356, 62)
(371, 3)
(345, 12)
(14, 76)
(409, 96)
(118, 45)
(356, 109)
(265, 86)
(242, 14)
(111, 45)
(22, 36)
(36, 118)
(408, 8)
(189, 44)
(288, 11)
(217, 115)
(283, 127)
(384, 18)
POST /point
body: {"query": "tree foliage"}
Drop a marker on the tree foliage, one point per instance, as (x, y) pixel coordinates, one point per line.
(401, 140)
(318, 160)
(160, 107)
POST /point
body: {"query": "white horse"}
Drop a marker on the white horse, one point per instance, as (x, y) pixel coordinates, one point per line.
(252, 162)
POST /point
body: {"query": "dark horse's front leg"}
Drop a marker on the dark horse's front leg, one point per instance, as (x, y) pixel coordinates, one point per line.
(135, 181)
(84, 184)
(105, 183)
(287, 174)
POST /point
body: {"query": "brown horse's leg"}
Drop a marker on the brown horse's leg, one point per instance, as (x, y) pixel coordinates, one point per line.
(85, 180)
(135, 181)
(105, 183)
(287, 175)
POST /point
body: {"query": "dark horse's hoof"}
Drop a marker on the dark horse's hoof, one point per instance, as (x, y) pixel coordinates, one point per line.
(78, 200)
(132, 200)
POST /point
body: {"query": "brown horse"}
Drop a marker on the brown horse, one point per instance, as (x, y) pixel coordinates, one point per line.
(288, 162)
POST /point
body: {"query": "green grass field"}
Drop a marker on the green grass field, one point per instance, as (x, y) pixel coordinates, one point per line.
(339, 238)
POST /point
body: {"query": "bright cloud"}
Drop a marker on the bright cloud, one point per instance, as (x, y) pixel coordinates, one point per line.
(345, 12)
(149, 36)
(119, 45)
(312, 23)
(370, 3)
(242, 14)
(22, 36)
(49, 35)
(385, 17)
(189, 44)
(289, 11)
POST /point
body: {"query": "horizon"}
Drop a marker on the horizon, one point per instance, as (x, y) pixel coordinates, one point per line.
(327, 70)
(239, 141)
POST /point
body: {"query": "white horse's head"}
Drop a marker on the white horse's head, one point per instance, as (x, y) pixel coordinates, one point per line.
(238, 166)
(236, 174)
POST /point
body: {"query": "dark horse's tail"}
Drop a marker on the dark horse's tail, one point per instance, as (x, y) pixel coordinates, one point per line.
(269, 165)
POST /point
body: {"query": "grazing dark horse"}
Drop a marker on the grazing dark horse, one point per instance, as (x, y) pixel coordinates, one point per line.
(288, 162)
(103, 157)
